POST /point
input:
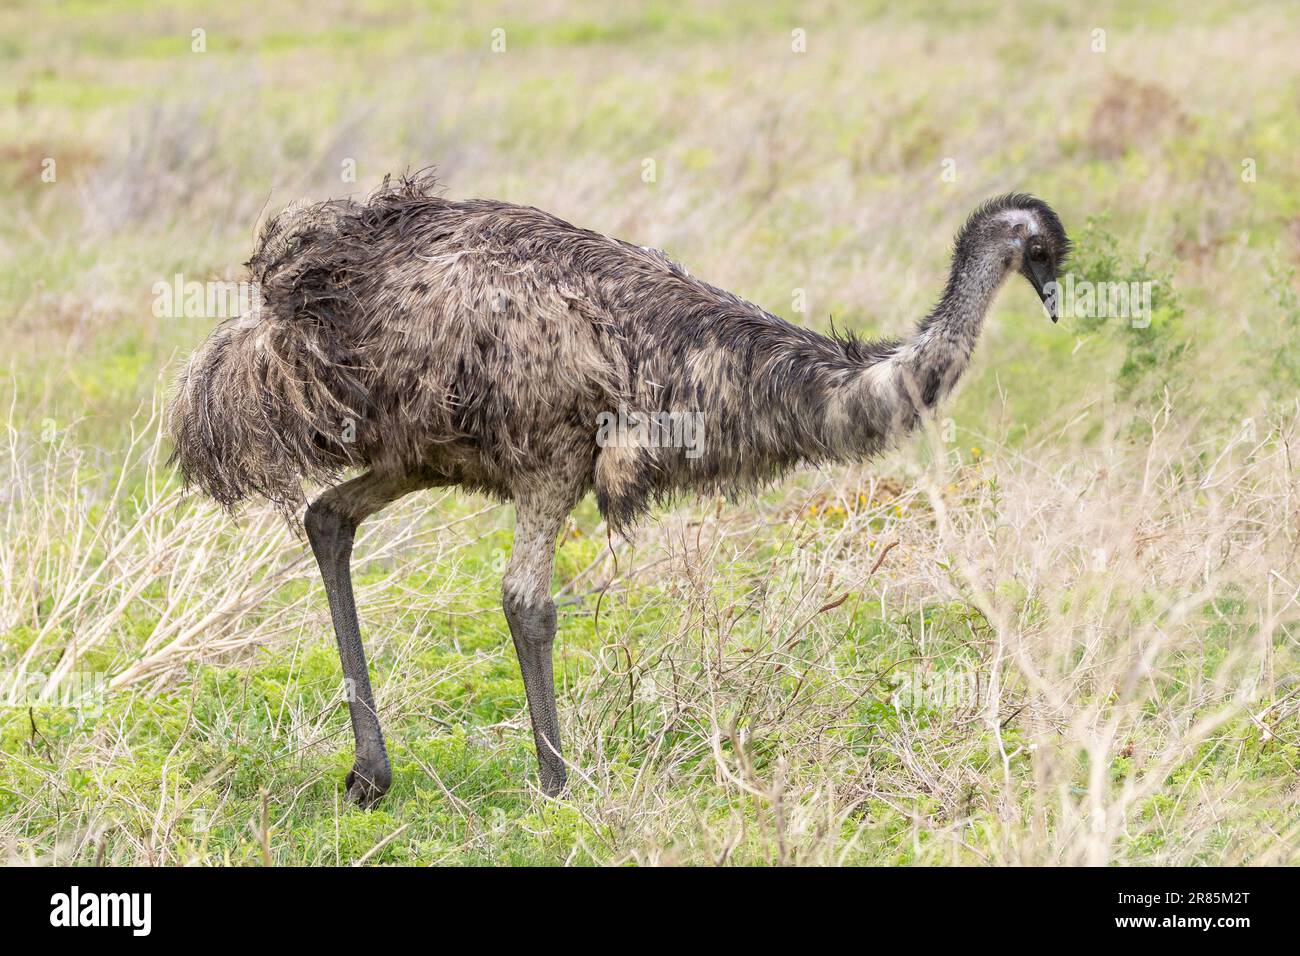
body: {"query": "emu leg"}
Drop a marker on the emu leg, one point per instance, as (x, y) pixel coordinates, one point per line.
(331, 522)
(530, 612)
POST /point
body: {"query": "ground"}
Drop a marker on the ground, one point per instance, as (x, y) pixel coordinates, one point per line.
(1057, 627)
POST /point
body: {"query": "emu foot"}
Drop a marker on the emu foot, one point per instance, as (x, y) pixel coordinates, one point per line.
(366, 784)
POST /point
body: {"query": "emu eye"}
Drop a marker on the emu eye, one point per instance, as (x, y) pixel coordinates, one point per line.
(1037, 254)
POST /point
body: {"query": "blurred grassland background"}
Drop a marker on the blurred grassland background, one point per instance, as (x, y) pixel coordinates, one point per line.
(1067, 626)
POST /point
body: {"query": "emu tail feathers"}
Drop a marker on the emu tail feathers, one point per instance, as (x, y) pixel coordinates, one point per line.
(252, 415)
(272, 399)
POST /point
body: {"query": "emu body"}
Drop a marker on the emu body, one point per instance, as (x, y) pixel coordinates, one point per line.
(429, 342)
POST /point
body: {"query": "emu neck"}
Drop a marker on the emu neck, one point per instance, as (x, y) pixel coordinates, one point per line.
(951, 329)
(886, 399)
(930, 363)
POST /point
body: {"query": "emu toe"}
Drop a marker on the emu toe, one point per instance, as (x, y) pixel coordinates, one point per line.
(365, 786)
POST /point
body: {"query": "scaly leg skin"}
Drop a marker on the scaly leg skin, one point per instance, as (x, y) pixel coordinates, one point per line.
(530, 612)
(331, 523)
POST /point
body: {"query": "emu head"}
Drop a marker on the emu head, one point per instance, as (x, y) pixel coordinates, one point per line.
(1018, 233)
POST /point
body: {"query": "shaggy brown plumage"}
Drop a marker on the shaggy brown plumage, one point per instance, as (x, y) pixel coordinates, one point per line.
(476, 339)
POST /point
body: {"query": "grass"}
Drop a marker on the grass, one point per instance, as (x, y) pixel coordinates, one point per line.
(1058, 627)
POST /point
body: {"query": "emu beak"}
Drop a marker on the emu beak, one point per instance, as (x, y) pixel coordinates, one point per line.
(1048, 289)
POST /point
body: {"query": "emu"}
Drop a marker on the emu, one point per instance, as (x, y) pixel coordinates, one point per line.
(431, 342)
